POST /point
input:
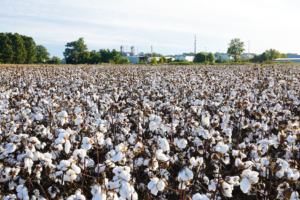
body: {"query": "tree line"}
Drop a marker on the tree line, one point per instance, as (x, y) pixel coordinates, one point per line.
(76, 52)
(20, 49)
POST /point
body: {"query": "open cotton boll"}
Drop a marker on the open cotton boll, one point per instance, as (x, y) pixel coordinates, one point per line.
(156, 185)
(63, 165)
(196, 162)
(67, 146)
(163, 144)
(38, 116)
(160, 156)
(181, 144)
(22, 192)
(198, 196)
(86, 143)
(10, 148)
(78, 120)
(249, 177)
(185, 175)
(28, 163)
(97, 194)
(226, 189)
(221, 148)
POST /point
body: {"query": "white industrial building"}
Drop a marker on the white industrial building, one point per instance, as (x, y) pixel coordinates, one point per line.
(294, 60)
(184, 58)
(223, 57)
(247, 56)
(293, 56)
(136, 59)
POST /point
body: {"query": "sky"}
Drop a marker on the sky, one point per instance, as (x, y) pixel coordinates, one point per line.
(169, 25)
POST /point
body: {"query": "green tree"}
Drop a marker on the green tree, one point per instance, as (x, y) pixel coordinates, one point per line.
(199, 57)
(161, 60)
(74, 51)
(154, 61)
(94, 57)
(6, 49)
(272, 54)
(283, 55)
(154, 54)
(210, 57)
(236, 48)
(54, 60)
(124, 61)
(30, 48)
(42, 54)
(19, 51)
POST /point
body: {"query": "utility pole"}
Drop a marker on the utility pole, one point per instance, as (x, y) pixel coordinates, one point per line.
(248, 49)
(195, 46)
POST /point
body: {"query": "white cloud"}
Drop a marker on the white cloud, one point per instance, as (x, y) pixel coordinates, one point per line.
(168, 25)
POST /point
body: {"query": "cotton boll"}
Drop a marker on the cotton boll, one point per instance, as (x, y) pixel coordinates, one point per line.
(156, 185)
(245, 185)
(163, 144)
(67, 146)
(226, 189)
(185, 175)
(200, 197)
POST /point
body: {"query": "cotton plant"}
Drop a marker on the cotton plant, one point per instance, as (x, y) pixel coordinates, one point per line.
(249, 177)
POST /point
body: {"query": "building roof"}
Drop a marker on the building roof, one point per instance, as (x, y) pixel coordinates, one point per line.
(287, 59)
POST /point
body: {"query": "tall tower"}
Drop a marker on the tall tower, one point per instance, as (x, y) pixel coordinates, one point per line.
(195, 45)
(151, 51)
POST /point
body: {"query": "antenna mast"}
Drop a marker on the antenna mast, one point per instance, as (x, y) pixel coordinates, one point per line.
(195, 46)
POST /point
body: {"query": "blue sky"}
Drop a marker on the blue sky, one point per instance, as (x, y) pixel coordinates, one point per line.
(168, 25)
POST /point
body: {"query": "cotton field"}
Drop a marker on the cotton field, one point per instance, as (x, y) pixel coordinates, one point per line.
(149, 132)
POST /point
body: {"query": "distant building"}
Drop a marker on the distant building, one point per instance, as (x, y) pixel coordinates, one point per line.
(172, 59)
(245, 56)
(223, 57)
(294, 60)
(184, 58)
(136, 59)
(293, 56)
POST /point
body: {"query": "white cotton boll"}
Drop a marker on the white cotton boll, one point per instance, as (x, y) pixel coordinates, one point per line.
(139, 162)
(181, 144)
(227, 189)
(38, 116)
(185, 175)
(11, 185)
(198, 196)
(160, 156)
(22, 192)
(86, 143)
(196, 162)
(28, 164)
(78, 120)
(153, 126)
(222, 148)
(245, 185)
(67, 146)
(163, 144)
(76, 169)
(248, 164)
(156, 185)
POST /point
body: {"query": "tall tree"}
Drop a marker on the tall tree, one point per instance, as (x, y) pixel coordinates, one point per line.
(75, 51)
(6, 49)
(283, 55)
(210, 57)
(199, 57)
(30, 47)
(154, 61)
(19, 51)
(236, 48)
(42, 54)
(272, 54)
(95, 57)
